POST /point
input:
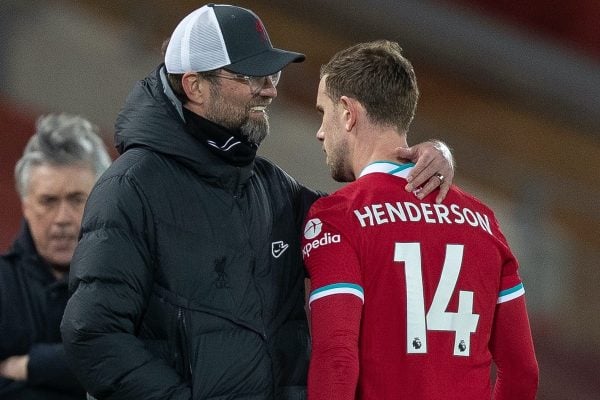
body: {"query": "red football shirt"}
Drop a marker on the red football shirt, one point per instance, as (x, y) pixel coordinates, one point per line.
(405, 296)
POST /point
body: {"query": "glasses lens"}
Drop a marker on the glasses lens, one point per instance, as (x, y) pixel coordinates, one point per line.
(256, 83)
(259, 82)
(275, 78)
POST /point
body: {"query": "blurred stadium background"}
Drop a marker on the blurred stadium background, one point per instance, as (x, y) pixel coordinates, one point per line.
(512, 86)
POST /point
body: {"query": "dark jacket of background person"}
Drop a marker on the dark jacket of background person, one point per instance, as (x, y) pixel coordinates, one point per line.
(31, 307)
(216, 309)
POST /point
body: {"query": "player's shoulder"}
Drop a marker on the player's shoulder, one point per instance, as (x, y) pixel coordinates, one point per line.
(458, 194)
(336, 203)
(331, 211)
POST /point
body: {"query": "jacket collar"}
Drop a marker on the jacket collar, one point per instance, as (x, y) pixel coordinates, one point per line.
(23, 249)
(152, 117)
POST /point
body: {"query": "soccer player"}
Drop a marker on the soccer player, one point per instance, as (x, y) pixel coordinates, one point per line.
(409, 299)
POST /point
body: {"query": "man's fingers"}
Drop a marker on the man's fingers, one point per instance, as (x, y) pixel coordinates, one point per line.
(428, 187)
(407, 153)
(15, 368)
(433, 168)
(444, 188)
(420, 173)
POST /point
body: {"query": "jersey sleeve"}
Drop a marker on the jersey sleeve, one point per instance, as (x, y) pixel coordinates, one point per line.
(511, 345)
(511, 286)
(335, 306)
(330, 257)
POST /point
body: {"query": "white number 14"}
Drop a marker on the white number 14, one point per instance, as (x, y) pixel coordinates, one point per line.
(462, 323)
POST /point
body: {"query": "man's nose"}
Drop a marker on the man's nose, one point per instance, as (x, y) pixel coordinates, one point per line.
(268, 90)
(320, 134)
(65, 213)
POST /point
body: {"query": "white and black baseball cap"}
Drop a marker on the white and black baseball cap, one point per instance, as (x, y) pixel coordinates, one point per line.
(223, 36)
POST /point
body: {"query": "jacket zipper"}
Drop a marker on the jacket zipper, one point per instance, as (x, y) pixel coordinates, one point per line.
(184, 344)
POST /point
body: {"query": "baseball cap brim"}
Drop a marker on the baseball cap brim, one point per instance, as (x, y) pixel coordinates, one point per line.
(265, 63)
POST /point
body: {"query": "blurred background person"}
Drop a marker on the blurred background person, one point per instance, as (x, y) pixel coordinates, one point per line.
(54, 177)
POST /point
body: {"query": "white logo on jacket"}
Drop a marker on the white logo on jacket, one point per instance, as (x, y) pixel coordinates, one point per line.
(277, 248)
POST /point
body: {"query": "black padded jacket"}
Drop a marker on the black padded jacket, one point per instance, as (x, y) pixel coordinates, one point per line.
(188, 279)
(32, 302)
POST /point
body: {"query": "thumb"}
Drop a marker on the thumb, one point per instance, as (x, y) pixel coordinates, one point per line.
(407, 153)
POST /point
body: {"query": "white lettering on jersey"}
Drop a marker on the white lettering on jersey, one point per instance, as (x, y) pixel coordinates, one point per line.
(327, 238)
(378, 214)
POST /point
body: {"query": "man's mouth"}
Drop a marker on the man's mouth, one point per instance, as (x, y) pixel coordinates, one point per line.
(258, 109)
(64, 240)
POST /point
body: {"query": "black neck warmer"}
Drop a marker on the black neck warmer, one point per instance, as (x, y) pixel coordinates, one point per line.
(225, 143)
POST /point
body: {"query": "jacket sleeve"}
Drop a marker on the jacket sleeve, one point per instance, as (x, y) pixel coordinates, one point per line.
(111, 280)
(48, 367)
(14, 335)
(512, 349)
(304, 199)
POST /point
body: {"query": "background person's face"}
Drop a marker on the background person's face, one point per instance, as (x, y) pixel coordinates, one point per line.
(53, 208)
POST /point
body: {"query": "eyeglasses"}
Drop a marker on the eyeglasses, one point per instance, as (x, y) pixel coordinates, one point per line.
(256, 83)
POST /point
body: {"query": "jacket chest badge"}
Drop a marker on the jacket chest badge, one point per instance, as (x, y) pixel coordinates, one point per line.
(278, 248)
(222, 281)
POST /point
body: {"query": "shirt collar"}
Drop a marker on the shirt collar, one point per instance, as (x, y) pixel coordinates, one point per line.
(388, 167)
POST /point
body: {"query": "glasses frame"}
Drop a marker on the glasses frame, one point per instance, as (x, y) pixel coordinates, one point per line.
(256, 83)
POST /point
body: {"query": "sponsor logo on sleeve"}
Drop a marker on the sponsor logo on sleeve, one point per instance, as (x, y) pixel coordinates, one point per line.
(312, 230)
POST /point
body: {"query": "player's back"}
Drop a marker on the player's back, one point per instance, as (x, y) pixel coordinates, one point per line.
(432, 275)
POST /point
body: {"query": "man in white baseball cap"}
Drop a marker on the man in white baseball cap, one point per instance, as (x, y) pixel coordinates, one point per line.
(188, 280)
(217, 36)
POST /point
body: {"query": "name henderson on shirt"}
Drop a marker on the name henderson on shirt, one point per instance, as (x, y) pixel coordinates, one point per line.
(378, 214)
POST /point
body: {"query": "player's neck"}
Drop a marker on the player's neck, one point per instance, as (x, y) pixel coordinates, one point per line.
(379, 147)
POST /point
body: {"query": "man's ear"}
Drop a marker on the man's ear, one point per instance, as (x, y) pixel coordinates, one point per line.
(350, 109)
(192, 86)
(25, 207)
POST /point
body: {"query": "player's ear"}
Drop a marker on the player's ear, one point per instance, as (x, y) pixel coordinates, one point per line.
(350, 112)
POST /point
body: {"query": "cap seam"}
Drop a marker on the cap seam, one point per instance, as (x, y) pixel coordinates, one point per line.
(221, 37)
